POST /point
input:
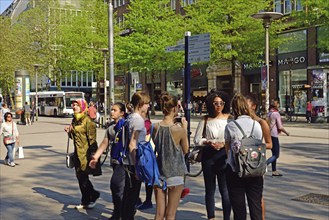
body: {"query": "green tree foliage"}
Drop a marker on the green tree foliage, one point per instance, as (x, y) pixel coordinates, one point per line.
(155, 26)
(8, 54)
(236, 37)
(315, 13)
(82, 34)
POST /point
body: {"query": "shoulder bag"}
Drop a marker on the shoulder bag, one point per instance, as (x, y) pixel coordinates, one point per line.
(195, 155)
(70, 157)
(9, 139)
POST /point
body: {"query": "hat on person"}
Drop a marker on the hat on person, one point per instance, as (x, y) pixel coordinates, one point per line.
(82, 104)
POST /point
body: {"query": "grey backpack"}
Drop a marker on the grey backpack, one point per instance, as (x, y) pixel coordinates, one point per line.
(250, 155)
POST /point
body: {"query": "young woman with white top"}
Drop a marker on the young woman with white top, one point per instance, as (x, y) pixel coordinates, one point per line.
(214, 155)
(10, 135)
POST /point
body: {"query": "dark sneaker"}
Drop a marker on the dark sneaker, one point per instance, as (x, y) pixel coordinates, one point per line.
(93, 200)
(139, 203)
(145, 205)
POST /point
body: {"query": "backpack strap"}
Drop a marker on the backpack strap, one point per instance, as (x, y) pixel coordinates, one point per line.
(244, 135)
(151, 132)
(252, 130)
(239, 127)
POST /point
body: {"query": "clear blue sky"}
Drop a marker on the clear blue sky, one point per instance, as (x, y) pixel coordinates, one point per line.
(4, 4)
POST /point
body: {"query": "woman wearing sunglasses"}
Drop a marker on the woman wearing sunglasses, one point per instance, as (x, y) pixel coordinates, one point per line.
(10, 137)
(210, 134)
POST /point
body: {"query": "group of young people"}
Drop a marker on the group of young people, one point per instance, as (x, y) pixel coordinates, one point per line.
(215, 132)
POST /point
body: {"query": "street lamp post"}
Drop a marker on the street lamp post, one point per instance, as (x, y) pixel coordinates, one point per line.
(105, 50)
(110, 40)
(267, 18)
(36, 66)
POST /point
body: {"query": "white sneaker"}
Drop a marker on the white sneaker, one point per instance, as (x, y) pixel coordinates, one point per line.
(91, 205)
(80, 206)
(12, 164)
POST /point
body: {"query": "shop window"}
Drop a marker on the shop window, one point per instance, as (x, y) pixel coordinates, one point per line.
(292, 91)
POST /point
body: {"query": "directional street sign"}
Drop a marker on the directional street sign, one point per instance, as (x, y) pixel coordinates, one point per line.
(198, 47)
(199, 58)
(175, 48)
(199, 37)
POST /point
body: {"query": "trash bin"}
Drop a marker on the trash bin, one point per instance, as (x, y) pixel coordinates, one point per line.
(20, 114)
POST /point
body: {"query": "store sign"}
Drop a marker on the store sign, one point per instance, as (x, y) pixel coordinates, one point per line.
(295, 60)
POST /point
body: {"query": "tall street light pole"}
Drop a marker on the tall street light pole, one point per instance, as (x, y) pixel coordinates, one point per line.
(36, 66)
(105, 50)
(267, 18)
(111, 62)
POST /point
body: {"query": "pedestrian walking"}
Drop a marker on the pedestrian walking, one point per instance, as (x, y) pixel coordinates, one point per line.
(276, 127)
(27, 114)
(10, 135)
(210, 135)
(83, 132)
(308, 111)
(136, 133)
(239, 188)
(114, 136)
(33, 109)
(171, 144)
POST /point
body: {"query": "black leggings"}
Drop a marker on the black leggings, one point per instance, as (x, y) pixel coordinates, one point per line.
(130, 194)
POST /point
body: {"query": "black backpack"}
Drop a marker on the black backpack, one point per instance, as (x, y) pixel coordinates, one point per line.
(250, 155)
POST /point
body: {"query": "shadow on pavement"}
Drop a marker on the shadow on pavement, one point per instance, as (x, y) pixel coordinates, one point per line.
(68, 210)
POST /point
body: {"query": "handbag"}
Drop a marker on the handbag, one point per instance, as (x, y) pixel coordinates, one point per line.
(70, 157)
(9, 139)
(195, 155)
(90, 152)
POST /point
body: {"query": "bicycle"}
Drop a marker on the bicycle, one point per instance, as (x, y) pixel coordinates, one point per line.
(194, 167)
(290, 116)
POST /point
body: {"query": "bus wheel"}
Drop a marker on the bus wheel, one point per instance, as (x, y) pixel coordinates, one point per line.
(55, 112)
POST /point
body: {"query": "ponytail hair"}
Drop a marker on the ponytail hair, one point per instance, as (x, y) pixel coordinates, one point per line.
(168, 102)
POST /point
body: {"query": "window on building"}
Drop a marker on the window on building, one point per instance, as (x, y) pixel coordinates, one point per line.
(322, 41)
(298, 5)
(291, 90)
(287, 7)
(173, 4)
(293, 41)
(277, 6)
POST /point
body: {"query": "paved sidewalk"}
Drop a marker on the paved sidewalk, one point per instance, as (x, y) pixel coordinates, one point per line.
(41, 187)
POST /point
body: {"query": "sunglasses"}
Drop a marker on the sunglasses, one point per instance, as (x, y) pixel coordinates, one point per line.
(218, 104)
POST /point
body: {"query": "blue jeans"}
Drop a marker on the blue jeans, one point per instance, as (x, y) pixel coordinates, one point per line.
(10, 151)
(275, 153)
(214, 168)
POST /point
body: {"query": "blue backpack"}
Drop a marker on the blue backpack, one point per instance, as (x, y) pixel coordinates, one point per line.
(146, 164)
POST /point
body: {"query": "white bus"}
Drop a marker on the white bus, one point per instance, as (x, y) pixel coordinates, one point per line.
(55, 103)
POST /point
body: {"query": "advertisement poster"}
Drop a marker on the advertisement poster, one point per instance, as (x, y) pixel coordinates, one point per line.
(264, 77)
(27, 89)
(319, 91)
(18, 93)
